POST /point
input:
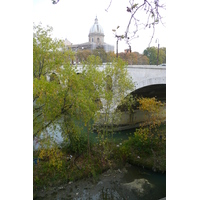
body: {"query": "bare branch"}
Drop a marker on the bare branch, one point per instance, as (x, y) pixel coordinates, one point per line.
(108, 6)
(153, 17)
(55, 1)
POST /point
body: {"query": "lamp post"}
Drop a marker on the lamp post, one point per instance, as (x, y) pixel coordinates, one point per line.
(158, 50)
(117, 48)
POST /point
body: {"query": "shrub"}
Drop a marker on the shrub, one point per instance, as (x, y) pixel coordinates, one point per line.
(54, 156)
(78, 143)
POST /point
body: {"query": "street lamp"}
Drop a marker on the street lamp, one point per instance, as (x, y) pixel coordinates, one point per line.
(117, 48)
(158, 50)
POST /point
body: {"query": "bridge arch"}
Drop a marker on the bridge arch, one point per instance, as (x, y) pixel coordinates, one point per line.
(149, 82)
(148, 88)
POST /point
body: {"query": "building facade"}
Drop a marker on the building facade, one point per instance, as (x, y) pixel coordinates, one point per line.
(95, 40)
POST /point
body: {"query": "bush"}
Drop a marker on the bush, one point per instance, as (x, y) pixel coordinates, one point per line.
(141, 139)
(78, 143)
(54, 156)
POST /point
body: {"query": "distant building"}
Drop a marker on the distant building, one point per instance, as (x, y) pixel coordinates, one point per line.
(96, 40)
(67, 42)
(127, 51)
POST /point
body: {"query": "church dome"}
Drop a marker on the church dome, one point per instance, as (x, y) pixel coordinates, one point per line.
(96, 28)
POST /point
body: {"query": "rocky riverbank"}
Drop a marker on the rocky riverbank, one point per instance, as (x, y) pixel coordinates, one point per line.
(111, 184)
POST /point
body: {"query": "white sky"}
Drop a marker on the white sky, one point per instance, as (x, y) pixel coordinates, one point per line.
(73, 19)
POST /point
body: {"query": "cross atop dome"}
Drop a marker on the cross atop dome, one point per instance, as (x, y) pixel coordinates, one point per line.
(96, 20)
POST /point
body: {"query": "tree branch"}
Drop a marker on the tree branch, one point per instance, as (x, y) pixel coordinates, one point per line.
(108, 6)
(38, 107)
(151, 9)
(37, 116)
(63, 111)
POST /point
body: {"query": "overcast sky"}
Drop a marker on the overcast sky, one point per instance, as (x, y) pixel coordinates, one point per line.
(73, 20)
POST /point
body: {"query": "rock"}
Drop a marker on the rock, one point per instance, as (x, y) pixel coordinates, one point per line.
(124, 170)
(154, 169)
(119, 171)
(100, 183)
(106, 175)
(127, 165)
(60, 188)
(140, 186)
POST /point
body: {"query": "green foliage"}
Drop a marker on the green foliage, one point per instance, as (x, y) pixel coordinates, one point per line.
(78, 143)
(47, 56)
(162, 55)
(141, 140)
(125, 152)
(54, 156)
(149, 135)
(49, 97)
(101, 53)
(121, 81)
(154, 112)
(128, 104)
(82, 55)
(152, 53)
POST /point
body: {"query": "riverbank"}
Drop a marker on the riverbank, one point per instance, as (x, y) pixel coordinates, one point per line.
(129, 182)
(105, 154)
(80, 168)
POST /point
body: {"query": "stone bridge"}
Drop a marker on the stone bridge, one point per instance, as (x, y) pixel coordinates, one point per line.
(147, 75)
(149, 81)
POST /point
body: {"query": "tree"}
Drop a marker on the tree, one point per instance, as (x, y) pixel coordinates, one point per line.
(60, 95)
(62, 98)
(101, 53)
(90, 92)
(143, 60)
(110, 56)
(82, 55)
(152, 54)
(52, 98)
(47, 62)
(134, 58)
(162, 55)
(116, 84)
